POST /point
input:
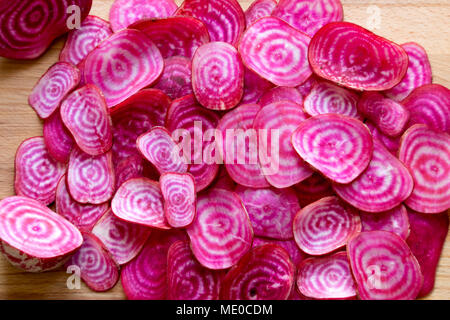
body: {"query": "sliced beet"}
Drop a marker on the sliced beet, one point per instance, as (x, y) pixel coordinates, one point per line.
(223, 180)
(375, 64)
(306, 87)
(281, 94)
(254, 87)
(290, 246)
(58, 140)
(283, 63)
(391, 143)
(176, 78)
(259, 9)
(129, 168)
(394, 220)
(312, 189)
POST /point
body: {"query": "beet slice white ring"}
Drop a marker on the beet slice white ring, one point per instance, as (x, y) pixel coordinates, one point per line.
(330, 139)
(325, 225)
(384, 267)
(36, 172)
(259, 9)
(58, 140)
(354, 57)
(394, 220)
(391, 143)
(426, 153)
(176, 80)
(290, 246)
(276, 51)
(313, 189)
(129, 168)
(254, 87)
(278, 94)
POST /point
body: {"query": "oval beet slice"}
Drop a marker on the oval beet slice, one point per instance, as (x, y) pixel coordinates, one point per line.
(264, 273)
(254, 87)
(259, 9)
(338, 146)
(284, 63)
(129, 168)
(394, 220)
(384, 267)
(290, 246)
(278, 94)
(58, 140)
(378, 64)
(391, 143)
(325, 226)
(312, 189)
(176, 78)
(36, 173)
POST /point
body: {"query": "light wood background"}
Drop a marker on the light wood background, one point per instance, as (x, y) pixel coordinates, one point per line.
(426, 22)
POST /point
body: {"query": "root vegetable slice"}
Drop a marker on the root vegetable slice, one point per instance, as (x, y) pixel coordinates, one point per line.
(129, 61)
(176, 78)
(276, 51)
(264, 273)
(221, 234)
(325, 226)
(426, 153)
(378, 64)
(384, 267)
(340, 147)
(129, 168)
(254, 87)
(259, 9)
(223, 180)
(394, 220)
(290, 246)
(58, 140)
(313, 189)
(391, 143)
(384, 185)
(36, 173)
(217, 76)
(306, 87)
(271, 210)
(34, 238)
(85, 114)
(326, 278)
(287, 168)
(281, 94)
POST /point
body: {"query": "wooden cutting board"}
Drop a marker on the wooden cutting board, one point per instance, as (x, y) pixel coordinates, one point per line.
(426, 22)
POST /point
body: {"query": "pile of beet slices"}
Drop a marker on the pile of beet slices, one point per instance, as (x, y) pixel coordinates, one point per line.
(352, 204)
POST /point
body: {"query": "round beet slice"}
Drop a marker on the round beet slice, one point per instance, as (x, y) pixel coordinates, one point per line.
(176, 79)
(394, 220)
(259, 9)
(254, 87)
(290, 246)
(281, 94)
(58, 140)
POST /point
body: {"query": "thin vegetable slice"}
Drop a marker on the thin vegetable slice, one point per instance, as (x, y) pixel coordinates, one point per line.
(281, 94)
(391, 143)
(129, 168)
(312, 189)
(394, 220)
(259, 9)
(290, 246)
(254, 87)
(176, 78)
(58, 140)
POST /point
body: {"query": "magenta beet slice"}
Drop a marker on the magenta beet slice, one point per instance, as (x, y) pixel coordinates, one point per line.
(281, 94)
(28, 27)
(259, 9)
(129, 168)
(52, 87)
(221, 234)
(34, 238)
(90, 179)
(264, 273)
(123, 13)
(254, 87)
(384, 267)
(285, 168)
(58, 140)
(309, 16)
(426, 153)
(271, 210)
(426, 240)
(290, 246)
(82, 41)
(325, 226)
(122, 239)
(391, 143)
(379, 64)
(313, 189)
(394, 220)
(36, 173)
(223, 180)
(326, 278)
(306, 87)
(340, 147)
(418, 73)
(284, 63)
(129, 61)
(85, 114)
(384, 185)
(217, 76)
(98, 269)
(176, 78)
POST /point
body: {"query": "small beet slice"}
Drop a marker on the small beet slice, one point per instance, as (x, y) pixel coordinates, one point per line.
(378, 65)
(221, 234)
(129, 61)
(52, 87)
(394, 220)
(129, 168)
(313, 189)
(254, 87)
(426, 153)
(281, 94)
(176, 78)
(259, 9)
(325, 226)
(264, 273)
(326, 278)
(34, 238)
(284, 63)
(290, 246)
(391, 143)
(36, 173)
(384, 267)
(58, 140)
(340, 147)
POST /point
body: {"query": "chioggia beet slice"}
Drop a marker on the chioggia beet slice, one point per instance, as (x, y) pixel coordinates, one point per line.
(426, 240)
(254, 87)
(36, 172)
(129, 168)
(340, 147)
(290, 246)
(123, 13)
(394, 220)
(85, 114)
(281, 94)
(98, 270)
(90, 179)
(312, 189)
(122, 65)
(187, 279)
(426, 153)
(34, 238)
(259, 9)
(306, 87)
(279, 120)
(390, 143)
(28, 27)
(58, 140)
(221, 233)
(271, 210)
(326, 278)
(264, 273)
(176, 79)
(378, 63)
(384, 185)
(284, 63)
(325, 226)
(384, 267)
(82, 41)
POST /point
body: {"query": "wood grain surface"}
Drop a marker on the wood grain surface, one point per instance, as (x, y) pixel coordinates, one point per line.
(426, 22)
